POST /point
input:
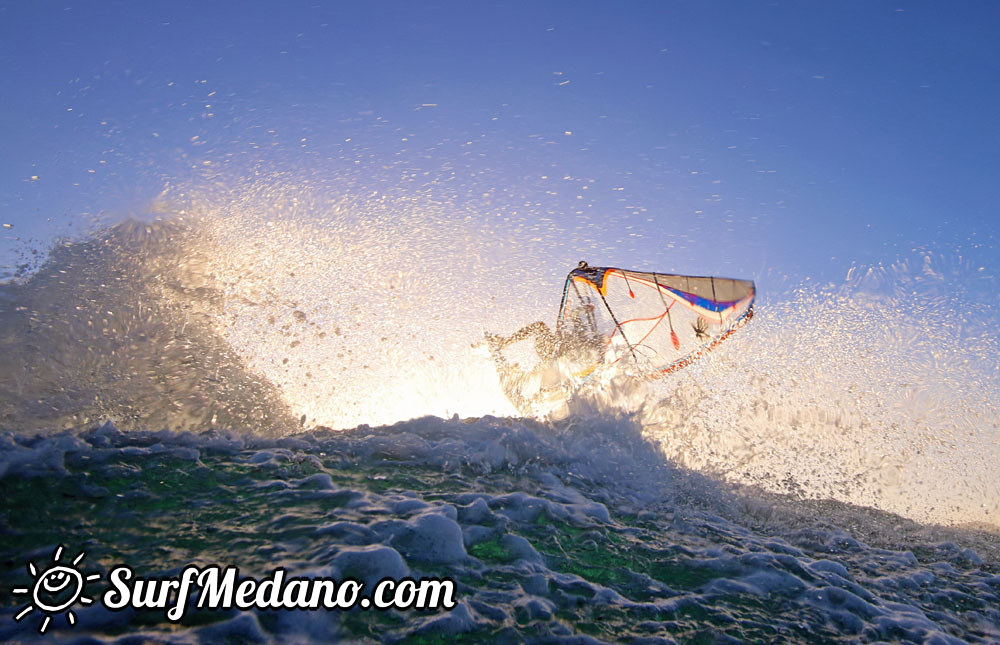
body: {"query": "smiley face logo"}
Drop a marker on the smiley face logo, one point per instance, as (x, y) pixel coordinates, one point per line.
(56, 589)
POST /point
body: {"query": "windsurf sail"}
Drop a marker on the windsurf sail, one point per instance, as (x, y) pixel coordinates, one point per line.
(651, 324)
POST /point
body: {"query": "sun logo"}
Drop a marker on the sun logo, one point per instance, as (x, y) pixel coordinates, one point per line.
(56, 589)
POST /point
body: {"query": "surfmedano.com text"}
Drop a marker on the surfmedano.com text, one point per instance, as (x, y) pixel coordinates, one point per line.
(213, 587)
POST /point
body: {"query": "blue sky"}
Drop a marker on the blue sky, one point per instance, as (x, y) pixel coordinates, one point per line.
(733, 137)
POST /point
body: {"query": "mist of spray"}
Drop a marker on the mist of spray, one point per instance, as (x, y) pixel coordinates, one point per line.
(881, 391)
(278, 303)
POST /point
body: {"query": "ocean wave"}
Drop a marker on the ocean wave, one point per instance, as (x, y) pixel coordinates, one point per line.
(574, 529)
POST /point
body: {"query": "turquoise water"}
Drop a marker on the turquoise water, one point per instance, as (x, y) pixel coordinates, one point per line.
(244, 254)
(755, 497)
(570, 529)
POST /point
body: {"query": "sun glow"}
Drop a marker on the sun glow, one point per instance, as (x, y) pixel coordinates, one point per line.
(356, 320)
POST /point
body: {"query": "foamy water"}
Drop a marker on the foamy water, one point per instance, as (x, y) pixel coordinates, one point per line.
(829, 471)
(571, 529)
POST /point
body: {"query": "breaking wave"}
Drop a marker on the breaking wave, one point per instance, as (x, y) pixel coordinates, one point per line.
(252, 356)
(280, 310)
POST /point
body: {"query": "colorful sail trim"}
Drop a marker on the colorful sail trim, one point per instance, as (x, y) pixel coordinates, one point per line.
(654, 323)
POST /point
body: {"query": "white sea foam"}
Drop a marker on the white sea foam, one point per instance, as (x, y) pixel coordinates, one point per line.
(745, 492)
(546, 516)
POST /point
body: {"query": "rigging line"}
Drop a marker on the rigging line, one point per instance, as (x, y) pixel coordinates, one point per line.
(589, 308)
(618, 325)
(581, 266)
(562, 304)
(667, 307)
(715, 300)
(704, 349)
(561, 322)
(659, 290)
(646, 319)
(658, 320)
(630, 292)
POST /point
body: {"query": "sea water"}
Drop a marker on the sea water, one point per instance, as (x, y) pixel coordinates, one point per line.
(189, 392)
(578, 529)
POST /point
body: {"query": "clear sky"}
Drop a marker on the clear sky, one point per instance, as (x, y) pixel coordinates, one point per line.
(746, 138)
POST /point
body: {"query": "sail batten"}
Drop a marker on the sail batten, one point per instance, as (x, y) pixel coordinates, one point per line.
(654, 323)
